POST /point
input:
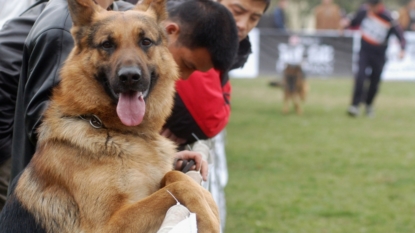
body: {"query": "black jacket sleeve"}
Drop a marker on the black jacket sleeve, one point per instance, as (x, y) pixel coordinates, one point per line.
(52, 49)
(358, 18)
(46, 47)
(12, 38)
(182, 124)
(398, 31)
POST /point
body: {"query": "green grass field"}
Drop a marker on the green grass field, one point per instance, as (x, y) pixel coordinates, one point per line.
(322, 172)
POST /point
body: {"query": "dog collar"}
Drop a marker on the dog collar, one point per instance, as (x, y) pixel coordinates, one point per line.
(94, 121)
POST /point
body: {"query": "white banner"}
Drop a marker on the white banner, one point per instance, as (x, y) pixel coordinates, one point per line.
(395, 68)
(250, 69)
(328, 55)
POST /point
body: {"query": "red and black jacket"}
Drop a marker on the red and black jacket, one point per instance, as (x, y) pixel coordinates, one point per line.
(201, 106)
(202, 102)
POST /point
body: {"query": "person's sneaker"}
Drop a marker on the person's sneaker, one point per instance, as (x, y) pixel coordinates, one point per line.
(370, 112)
(353, 111)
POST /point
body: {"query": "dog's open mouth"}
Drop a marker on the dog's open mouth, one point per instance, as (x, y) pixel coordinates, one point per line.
(131, 107)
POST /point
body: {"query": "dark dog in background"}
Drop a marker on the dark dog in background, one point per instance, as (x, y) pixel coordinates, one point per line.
(295, 88)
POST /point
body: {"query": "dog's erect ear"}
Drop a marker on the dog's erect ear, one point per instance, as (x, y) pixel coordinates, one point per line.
(82, 11)
(156, 8)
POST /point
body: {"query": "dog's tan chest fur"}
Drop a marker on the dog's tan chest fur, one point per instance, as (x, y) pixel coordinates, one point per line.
(100, 166)
(93, 187)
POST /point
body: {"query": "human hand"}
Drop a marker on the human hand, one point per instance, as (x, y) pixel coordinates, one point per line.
(168, 134)
(200, 164)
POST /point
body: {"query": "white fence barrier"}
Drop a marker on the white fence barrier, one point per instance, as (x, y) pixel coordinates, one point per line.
(324, 53)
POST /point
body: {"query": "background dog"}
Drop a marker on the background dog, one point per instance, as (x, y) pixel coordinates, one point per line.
(295, 88)
(100, 164)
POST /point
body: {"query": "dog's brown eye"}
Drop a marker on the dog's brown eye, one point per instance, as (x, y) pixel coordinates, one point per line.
(146, 42)
(107, 45)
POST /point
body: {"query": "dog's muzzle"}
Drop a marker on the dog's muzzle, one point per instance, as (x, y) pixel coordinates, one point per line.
(129, 77)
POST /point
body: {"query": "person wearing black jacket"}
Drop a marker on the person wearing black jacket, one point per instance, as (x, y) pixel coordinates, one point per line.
(12, 37)
(376, 26)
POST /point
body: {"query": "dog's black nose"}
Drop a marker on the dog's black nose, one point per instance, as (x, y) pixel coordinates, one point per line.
(129, 75)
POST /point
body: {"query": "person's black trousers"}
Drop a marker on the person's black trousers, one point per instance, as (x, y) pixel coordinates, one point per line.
(366, 84)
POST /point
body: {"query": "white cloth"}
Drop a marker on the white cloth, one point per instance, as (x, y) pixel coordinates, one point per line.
(179, 220)
(12, 8)
(188, 225)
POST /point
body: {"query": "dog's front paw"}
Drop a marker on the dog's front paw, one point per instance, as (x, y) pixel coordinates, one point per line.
(197, 199)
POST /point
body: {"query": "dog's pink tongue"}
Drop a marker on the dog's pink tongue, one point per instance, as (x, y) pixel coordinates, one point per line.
(131, 108)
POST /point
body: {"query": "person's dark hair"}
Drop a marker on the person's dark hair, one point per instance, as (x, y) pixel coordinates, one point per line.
(207, 24)
(267, 2)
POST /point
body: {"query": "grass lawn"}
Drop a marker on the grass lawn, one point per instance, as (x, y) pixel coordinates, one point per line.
(322, 172)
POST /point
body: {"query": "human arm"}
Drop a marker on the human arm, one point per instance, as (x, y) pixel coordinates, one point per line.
(167, 133)
(398, 32)
(48, 52)
(355, 20)
(12, 38)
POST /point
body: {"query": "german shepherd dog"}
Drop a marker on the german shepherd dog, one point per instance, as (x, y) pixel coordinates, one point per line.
(295, 88)
(100, 164)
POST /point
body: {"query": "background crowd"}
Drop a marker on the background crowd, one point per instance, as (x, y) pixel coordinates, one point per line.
(327, 14)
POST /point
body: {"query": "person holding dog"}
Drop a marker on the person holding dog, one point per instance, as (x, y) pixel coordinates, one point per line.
(12, 37)
(202, 104)
(376, 26)
(40, 81)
